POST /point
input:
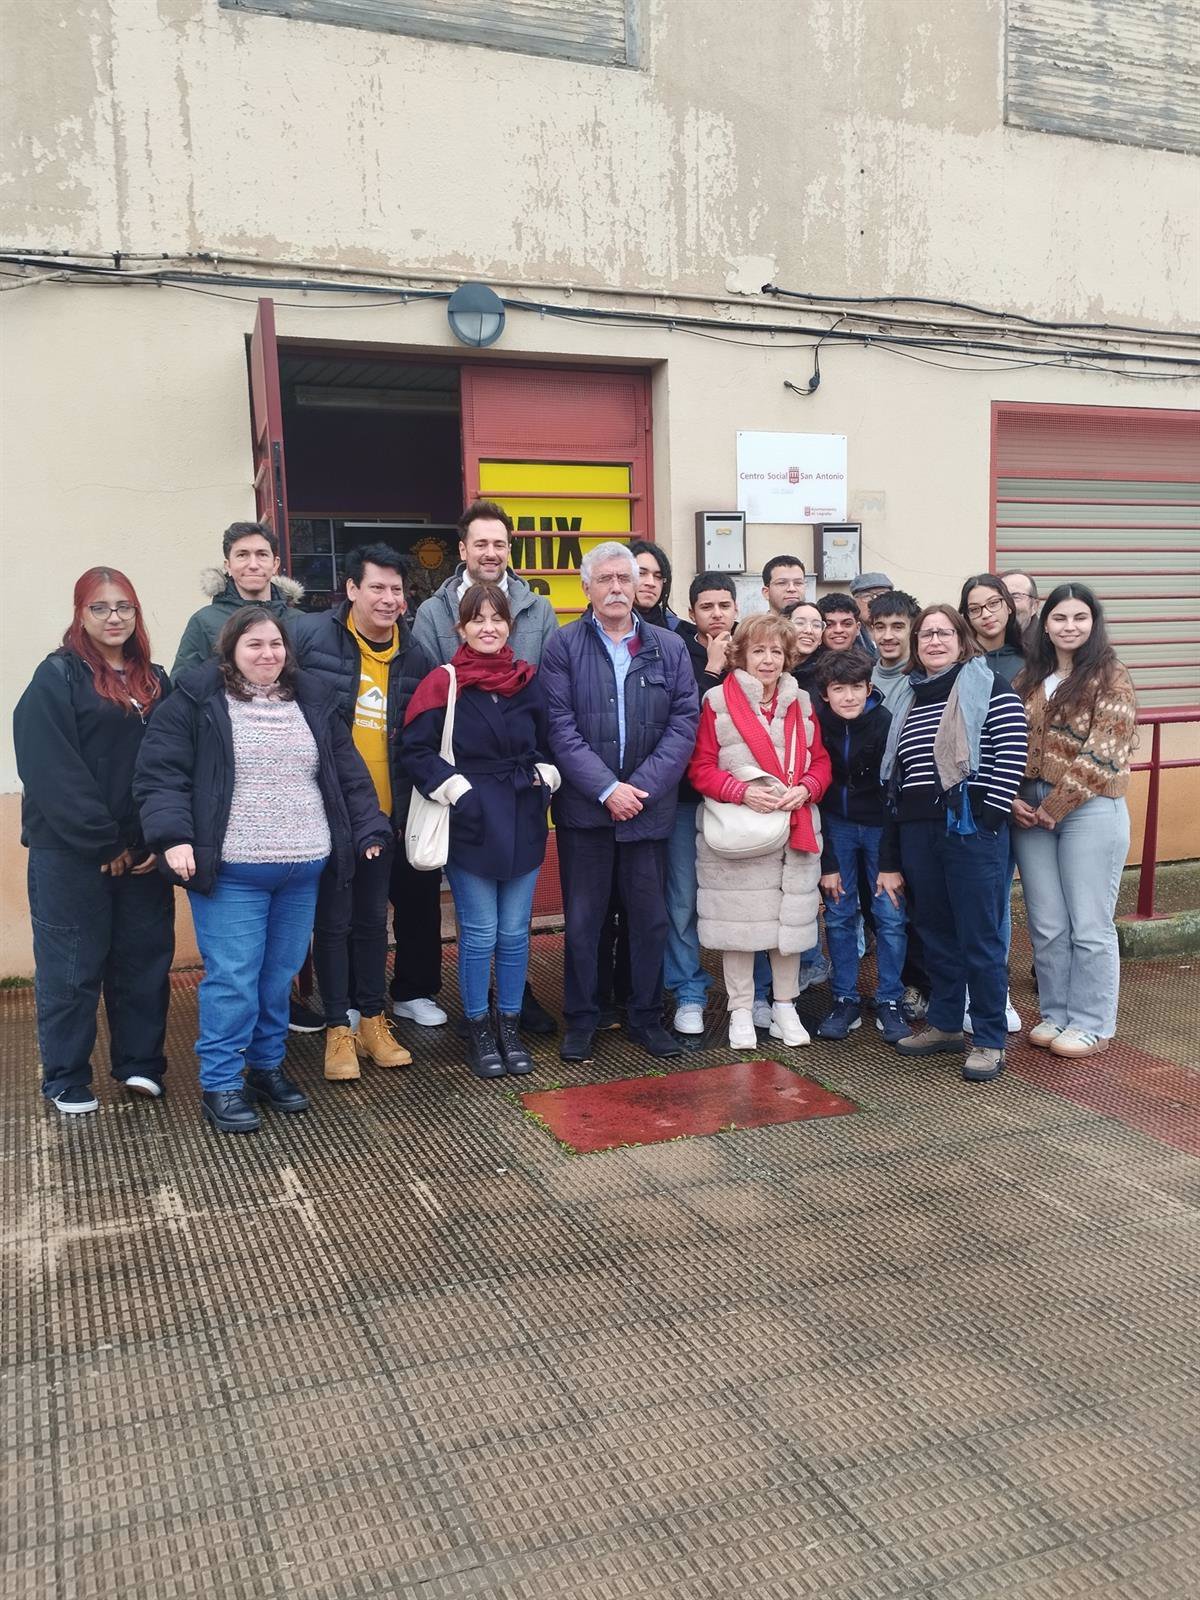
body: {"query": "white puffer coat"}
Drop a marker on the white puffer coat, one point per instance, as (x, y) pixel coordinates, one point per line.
(762, 902)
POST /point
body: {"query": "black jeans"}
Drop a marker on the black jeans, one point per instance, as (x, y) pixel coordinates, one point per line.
(350, 940)
(587, 858)
(417, 922)
(92, 935)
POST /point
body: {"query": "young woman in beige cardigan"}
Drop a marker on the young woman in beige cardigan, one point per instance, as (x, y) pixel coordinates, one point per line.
(1072, 826)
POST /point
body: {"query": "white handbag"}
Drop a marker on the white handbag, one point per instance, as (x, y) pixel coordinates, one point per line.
(734, 831)
(427, 830)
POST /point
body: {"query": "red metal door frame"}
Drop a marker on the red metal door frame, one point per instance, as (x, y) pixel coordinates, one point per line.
(266, 423)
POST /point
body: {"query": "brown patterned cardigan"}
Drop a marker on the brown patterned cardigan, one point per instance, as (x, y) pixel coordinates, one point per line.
(1087, 754)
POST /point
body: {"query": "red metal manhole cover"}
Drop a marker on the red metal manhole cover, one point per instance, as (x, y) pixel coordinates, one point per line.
(745, 1094)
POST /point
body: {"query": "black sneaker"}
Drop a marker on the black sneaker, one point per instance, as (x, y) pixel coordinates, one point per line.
(303, 1019)
(76, 1100)
(273, 1086)
(579, 1044)
(890, 1021)
(842, 1020)
(655, 1040)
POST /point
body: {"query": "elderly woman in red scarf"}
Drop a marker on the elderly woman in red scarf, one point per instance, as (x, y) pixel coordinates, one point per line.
(498, 786)
(760, 764)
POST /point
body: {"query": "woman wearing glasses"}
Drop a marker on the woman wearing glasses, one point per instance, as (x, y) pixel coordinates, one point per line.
(809, 626)
(103, 918)
(992, 614)
(1072, 832)
(954, 758)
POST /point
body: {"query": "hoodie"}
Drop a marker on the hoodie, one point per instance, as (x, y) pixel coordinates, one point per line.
(199, 642)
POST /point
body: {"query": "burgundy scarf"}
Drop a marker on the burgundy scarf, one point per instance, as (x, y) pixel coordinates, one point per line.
(500, 674)
(754, 732)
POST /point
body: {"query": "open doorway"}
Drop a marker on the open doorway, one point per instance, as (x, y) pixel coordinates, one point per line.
(374, 453)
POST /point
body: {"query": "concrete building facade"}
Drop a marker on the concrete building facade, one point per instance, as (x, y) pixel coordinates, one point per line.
(172, 166)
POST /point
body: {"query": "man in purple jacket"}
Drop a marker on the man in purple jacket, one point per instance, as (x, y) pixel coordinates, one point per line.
(623, 716)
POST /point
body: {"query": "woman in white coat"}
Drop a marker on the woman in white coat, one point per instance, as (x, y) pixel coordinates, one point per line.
(759, 748)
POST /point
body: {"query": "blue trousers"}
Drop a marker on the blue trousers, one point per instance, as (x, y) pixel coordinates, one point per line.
(253, 932)
(493, 920)
(682, 971)
(95, 935)
(857, 846)
(587, 858)
(958, 885)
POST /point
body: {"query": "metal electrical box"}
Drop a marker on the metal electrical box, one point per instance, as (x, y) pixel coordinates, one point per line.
(720, 541)
(839, 551)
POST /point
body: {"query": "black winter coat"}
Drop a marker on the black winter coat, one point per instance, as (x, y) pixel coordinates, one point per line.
(183, 783)
(498, 828)
(75, 756)
(325, 647)
(855, 749)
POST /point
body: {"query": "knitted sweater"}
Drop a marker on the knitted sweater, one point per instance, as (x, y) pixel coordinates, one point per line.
(1084, 755)
(277, 812)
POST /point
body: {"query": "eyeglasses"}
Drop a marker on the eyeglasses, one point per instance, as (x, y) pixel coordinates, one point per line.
(936, 633)
(101, 612)
(810, 625)
(989, 608)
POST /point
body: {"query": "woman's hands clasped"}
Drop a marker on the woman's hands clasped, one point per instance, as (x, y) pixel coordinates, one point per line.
(765, 797)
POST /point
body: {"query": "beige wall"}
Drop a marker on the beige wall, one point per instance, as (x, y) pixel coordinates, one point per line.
(127, 441)
(847, 148)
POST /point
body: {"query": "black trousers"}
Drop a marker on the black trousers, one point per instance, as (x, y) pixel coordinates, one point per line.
(93, 935)
(417, 923)
(587, 858)
(350, 940)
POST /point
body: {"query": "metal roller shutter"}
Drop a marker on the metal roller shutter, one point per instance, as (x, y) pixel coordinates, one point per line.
(1110, 496)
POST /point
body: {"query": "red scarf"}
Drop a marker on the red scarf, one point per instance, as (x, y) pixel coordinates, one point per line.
(499, 674)
(754, 732)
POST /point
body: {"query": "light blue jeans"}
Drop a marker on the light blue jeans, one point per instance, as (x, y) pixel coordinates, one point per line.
(253, 931)
(493, 919)
(1070, 878)
(682, 972)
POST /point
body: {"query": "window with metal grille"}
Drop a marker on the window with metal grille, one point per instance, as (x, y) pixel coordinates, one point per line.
(602, 31)
(1123, 70)
(1109, 496)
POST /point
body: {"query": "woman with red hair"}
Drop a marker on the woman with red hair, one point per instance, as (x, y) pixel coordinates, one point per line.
(103, 918)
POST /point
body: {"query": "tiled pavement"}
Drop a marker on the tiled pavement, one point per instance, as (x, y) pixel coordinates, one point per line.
(406, 1346)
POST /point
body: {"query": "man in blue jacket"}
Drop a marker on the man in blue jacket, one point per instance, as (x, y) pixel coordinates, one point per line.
(623, 716)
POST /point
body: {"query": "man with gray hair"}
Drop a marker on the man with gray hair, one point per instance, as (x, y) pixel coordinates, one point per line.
(1023, 590)
(623, 718)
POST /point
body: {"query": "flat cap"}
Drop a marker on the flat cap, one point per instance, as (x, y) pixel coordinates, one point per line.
(871, 580)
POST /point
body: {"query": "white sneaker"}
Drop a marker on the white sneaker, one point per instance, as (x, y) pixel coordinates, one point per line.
(1011, 1020)
(425, 1013)
(761, 1014)
(147, 1086)
(786, 1025)
(689, 1019)
(741, 1031)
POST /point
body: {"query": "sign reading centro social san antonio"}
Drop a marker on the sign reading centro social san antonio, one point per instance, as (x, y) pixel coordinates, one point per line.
(792, 477)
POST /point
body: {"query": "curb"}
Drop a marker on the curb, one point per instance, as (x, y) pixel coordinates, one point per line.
(1174, 935)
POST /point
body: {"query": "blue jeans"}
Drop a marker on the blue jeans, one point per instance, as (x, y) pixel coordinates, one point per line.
(958, 883)
(253, 932)
(682, 972)
(856, 845)
(493, 919)
(93, 935)
(1070, 878)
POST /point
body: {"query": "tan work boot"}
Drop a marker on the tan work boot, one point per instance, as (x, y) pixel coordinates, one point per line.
(341, 1058)
(376, 1042)
(933, 1042)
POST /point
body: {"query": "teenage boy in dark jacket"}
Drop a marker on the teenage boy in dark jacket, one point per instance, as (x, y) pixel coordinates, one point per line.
(854, 724)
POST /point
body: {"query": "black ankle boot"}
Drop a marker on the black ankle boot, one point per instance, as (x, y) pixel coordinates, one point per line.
(483, 1053)
(517, 1059)
(229, 1111)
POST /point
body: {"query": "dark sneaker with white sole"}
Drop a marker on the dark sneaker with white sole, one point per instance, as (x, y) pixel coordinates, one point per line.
(841, 1021)
(73, 1102)
(146, 1087)
(890, 1021)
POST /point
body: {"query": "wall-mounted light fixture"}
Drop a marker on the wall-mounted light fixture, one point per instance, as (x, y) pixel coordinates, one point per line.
(476, 315)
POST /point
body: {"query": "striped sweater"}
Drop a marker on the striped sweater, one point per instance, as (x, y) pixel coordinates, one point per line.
(1002, 749)
(1084, 755)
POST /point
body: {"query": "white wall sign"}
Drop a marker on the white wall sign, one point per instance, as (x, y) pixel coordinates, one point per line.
(792, 477)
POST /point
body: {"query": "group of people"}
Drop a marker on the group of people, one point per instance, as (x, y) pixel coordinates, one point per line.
(861, 764)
